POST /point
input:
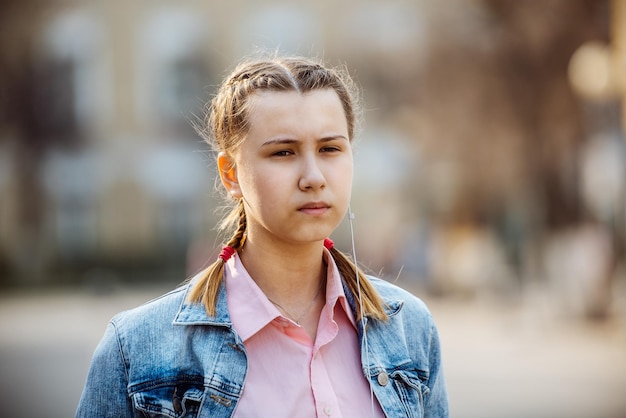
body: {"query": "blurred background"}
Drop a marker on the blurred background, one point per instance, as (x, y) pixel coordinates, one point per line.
(490, 179)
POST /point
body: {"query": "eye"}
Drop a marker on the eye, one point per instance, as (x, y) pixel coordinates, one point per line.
(282, 153)
(330, 149)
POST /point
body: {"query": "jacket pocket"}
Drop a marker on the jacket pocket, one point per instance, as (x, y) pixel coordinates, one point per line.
(172, 399)
(410, 391)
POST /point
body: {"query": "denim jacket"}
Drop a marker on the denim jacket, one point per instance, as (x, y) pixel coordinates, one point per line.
(168, 358)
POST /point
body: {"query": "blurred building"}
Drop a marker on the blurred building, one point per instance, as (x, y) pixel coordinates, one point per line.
(475, 151)
(101, 166)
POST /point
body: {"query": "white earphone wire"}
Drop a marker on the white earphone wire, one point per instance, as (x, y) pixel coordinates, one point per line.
(362, 319)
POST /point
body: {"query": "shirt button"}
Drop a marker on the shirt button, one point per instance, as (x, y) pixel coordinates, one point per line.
(328, 410)
(383, 379)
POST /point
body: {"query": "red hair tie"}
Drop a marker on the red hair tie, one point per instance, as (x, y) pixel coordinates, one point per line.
(328, 243)
(226, 253)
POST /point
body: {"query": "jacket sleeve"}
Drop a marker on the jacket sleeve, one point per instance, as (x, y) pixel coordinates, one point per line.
(105, 392)
(436, 401)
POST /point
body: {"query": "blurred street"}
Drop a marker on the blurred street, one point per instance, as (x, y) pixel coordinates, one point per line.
(501, 360)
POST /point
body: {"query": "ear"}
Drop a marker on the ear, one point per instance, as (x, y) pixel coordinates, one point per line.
(228, 174)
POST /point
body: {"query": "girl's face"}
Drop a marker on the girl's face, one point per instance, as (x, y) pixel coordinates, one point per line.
(294, 169)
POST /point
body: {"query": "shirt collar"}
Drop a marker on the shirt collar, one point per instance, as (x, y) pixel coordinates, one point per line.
(334, 288)
(249, 308)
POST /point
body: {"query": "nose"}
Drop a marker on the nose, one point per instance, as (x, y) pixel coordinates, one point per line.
(312, 177)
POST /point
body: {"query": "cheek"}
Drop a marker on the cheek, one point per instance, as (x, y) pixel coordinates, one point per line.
(247, 177)
(346, 173)
(343, 181)
(262, 188)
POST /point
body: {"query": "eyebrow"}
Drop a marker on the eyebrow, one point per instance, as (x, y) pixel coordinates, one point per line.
(283, 141)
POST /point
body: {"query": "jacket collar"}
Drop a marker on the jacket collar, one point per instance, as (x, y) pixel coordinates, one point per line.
(391, 307)
(195, 313)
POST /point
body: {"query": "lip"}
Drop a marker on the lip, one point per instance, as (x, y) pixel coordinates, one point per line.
(314, 208)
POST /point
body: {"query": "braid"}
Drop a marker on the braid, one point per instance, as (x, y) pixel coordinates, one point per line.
(205, 291)
(238, 238)
(371, 300)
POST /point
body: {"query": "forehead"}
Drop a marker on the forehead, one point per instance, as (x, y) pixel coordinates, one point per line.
(295, 112)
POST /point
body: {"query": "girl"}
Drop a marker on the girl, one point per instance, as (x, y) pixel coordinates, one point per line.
(282, 324)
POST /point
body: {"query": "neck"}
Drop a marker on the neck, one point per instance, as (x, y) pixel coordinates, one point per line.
(288, 274)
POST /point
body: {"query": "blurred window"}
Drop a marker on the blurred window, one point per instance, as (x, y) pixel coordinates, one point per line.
(52, 113)
(388, 28)
(71, 181)
(67, 79)
(288, 29)
(172, 70)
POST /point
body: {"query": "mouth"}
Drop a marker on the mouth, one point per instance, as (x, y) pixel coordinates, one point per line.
(314, 208)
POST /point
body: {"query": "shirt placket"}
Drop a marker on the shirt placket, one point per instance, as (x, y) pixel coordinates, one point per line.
(325, 398)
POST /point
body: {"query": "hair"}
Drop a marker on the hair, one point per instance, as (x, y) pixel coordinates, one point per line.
(225, 129)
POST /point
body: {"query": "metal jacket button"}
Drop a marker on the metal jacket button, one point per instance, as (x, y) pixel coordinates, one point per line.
(383, 379)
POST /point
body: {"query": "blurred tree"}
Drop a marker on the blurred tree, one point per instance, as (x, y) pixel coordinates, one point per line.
(536, 44)
(500, 104)
(500, 128)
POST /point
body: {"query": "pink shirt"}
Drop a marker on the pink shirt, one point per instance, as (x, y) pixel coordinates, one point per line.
(288, 374)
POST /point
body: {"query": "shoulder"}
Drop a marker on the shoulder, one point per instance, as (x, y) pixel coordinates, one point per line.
(125, 339)
(396, 297)
(156, 313)
(410, 321)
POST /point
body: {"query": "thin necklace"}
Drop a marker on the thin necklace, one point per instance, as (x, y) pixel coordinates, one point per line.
(306, 311)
